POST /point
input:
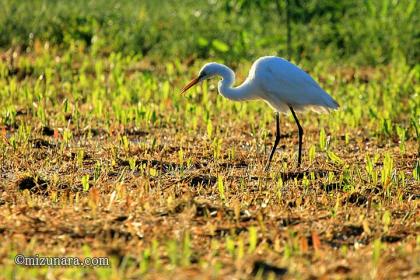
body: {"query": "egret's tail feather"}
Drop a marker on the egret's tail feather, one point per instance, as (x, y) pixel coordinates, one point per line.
(328, 103)
(332, 104)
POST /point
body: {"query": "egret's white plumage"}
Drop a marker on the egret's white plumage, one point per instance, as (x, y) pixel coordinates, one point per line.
(275, 80)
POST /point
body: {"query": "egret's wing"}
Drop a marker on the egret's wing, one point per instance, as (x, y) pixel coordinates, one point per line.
(282, 81)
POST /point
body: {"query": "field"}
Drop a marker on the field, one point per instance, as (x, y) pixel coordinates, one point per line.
(100, 154)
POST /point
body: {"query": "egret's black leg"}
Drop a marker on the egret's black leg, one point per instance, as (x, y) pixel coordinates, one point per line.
(300, 136)
(276, 142)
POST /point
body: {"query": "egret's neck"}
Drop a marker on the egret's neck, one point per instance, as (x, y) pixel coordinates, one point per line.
(246, 91)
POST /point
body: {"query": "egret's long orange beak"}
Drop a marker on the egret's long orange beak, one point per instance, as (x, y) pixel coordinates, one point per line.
(190, 84)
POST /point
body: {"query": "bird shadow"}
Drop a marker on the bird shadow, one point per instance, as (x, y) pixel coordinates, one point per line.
(291, 175)
(284, 135)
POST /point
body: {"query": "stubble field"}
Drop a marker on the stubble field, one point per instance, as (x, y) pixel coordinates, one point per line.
(101, 156)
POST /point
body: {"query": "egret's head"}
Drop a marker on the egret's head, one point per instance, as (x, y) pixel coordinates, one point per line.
(207, 71)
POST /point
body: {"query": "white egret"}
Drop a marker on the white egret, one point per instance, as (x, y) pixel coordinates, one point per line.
(278, 82)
